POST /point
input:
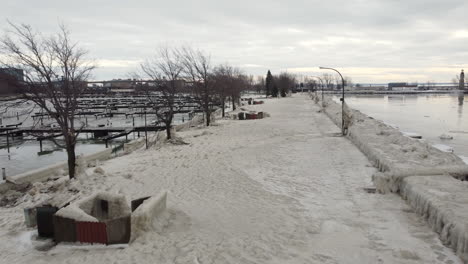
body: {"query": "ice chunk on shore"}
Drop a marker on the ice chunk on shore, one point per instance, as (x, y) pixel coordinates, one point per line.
(443, 148)
(412, 135)
(445, 136)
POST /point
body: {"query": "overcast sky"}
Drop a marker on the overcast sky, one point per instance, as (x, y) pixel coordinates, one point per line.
(368, 40)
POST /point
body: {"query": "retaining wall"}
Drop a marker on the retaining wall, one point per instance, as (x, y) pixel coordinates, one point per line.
(395, 155)
(426, 177)
(442, 201)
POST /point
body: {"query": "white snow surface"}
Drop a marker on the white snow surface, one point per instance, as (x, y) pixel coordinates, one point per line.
(285, 189)
(76, 213)
(82, 209)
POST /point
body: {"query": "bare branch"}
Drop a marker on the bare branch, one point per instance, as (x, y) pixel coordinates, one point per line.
(55, 73)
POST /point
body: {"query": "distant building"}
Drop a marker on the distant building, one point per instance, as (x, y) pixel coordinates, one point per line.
(402, 86)
(10, 80)
(120, 86)
(370, 87)
(119, 83)
(461, 85)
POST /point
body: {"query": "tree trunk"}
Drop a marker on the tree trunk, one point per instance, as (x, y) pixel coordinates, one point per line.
(233, 104)
(208, 117)
(168, 131)
(207, 114)
(223, 105)
(71, 160)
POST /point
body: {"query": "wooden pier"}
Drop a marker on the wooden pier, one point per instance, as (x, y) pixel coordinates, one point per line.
(103, 133)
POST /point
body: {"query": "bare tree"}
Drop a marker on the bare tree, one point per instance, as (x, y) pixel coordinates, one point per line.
(230, 82)
(338, 82)
(328, 80)
(260, 84)
(285, 82)
(240, 82)
(55, 74)
(250, 82)
(223, 81)
(198, 70)
(348, 81)
(164, 70)
(311, 84)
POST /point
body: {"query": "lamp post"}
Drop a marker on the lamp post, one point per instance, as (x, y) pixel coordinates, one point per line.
(321, 85)
(341, 99)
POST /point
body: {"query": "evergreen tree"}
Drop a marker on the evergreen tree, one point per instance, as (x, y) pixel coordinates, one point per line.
(269, 84)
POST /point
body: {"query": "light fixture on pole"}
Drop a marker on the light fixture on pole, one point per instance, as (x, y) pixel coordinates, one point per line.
(321, 85)
(341, 99)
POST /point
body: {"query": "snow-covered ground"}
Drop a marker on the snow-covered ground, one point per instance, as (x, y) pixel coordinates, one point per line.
(285, 189)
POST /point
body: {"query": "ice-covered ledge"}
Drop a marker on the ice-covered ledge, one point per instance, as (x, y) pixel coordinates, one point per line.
(426, 177)
(392, 153)
(443, 202)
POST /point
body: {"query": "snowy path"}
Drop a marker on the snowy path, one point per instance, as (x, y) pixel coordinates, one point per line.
(284, 189)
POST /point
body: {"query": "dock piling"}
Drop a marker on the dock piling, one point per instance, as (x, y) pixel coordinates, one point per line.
(8, 141)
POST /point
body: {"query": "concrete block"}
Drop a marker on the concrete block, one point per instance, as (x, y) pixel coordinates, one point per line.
(144, 216)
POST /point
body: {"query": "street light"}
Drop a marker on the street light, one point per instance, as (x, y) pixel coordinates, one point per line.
(341, 99)
(321, 85)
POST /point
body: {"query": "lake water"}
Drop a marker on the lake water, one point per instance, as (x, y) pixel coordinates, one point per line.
(430, 115)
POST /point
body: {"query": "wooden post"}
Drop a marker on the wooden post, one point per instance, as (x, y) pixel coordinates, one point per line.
(146, 132)
(8, 141)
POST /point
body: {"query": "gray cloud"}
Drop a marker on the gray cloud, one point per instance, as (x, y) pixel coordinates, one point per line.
(368, 40)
